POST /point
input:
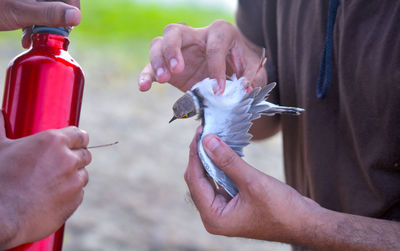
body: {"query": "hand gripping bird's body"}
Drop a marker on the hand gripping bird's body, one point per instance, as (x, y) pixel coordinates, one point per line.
(228, 116)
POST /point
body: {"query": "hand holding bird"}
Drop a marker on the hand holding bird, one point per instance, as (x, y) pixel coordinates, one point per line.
(264, 209)
(197, 61)
(228, 116)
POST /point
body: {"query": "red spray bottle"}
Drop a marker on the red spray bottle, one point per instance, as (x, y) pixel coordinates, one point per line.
(43, 90)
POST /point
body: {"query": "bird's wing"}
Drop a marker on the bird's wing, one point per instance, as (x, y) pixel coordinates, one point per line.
(236, 134)
(234, 128)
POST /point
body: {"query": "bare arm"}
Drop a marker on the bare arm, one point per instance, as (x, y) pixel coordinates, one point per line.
(268, 209)
(332, 230)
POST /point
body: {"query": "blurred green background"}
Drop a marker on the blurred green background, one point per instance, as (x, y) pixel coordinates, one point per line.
(136, 198)
(127, 26)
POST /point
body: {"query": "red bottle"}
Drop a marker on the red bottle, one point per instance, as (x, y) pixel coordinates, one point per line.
(43, 90)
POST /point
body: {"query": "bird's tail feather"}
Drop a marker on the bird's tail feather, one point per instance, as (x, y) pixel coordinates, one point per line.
(283, 110)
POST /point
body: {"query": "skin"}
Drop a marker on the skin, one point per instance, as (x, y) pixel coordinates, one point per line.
(17, 14)
(264, 208)
(268, 209)
(42, 176)
(184, 55)
(42, 180)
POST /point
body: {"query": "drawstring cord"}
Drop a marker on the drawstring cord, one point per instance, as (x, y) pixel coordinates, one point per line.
(324, 77)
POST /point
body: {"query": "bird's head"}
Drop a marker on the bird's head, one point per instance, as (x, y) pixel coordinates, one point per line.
(184, 107)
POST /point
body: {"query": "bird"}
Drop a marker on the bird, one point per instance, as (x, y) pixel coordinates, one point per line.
(228, 116)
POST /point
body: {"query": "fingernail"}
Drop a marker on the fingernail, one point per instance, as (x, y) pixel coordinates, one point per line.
(143, 79)
(220, 84)
(212, 143)
(160, 71)
(173, 62)
(215, 89)
(72, 17)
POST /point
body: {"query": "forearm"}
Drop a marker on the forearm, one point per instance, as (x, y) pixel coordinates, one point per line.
(329, 230)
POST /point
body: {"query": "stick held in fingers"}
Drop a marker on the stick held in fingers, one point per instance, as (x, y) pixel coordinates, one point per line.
(103, 145)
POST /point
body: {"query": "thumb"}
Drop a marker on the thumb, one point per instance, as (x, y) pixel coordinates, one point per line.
(50, 14)
(2, 126)
(228, 161)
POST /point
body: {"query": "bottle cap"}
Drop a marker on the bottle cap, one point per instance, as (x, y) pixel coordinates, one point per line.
(63, 31)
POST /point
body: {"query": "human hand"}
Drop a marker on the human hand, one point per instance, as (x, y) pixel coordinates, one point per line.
(184, 55)
(264, 208)
(17, 14)
(42, 179)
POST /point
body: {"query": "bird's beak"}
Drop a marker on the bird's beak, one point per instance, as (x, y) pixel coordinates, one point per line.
(173, 118)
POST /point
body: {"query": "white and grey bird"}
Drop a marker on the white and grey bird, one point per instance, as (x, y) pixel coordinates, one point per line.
(228, 116)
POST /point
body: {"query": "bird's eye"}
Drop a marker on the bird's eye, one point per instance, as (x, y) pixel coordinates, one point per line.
(184, 116)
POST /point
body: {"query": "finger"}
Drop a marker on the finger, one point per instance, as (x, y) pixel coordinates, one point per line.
(85, 157)
(76, 3)
(218, 46)
(75, 204)
(165, 52)
(200, 188)
(83, 177)
(26, 37)
(171, 47)
(157, 62)
(47, 13)
(2, 125)
(76, 137)
(177, 37)
(146, 78)
(228, 161)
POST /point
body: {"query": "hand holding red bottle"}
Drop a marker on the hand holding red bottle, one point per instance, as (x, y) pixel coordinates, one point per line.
(51, 166)
(17, 14)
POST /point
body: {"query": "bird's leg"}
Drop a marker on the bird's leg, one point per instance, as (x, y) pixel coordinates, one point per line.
(262, 62)
(249, 84)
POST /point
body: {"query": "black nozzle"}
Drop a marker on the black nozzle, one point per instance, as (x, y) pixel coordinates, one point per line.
(63, 31)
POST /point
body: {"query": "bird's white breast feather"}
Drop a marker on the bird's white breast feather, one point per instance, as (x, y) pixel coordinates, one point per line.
(222, 106)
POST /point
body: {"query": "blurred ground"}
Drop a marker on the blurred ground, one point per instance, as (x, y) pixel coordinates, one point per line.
(136, 198)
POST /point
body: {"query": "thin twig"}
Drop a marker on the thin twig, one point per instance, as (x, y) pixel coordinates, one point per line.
(105, 145)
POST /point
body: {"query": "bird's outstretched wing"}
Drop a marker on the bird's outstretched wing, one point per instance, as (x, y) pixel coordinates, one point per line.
(235, 132)
(251, 107)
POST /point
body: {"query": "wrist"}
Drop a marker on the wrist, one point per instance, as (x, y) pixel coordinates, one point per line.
(306, 222)
(317, 227)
